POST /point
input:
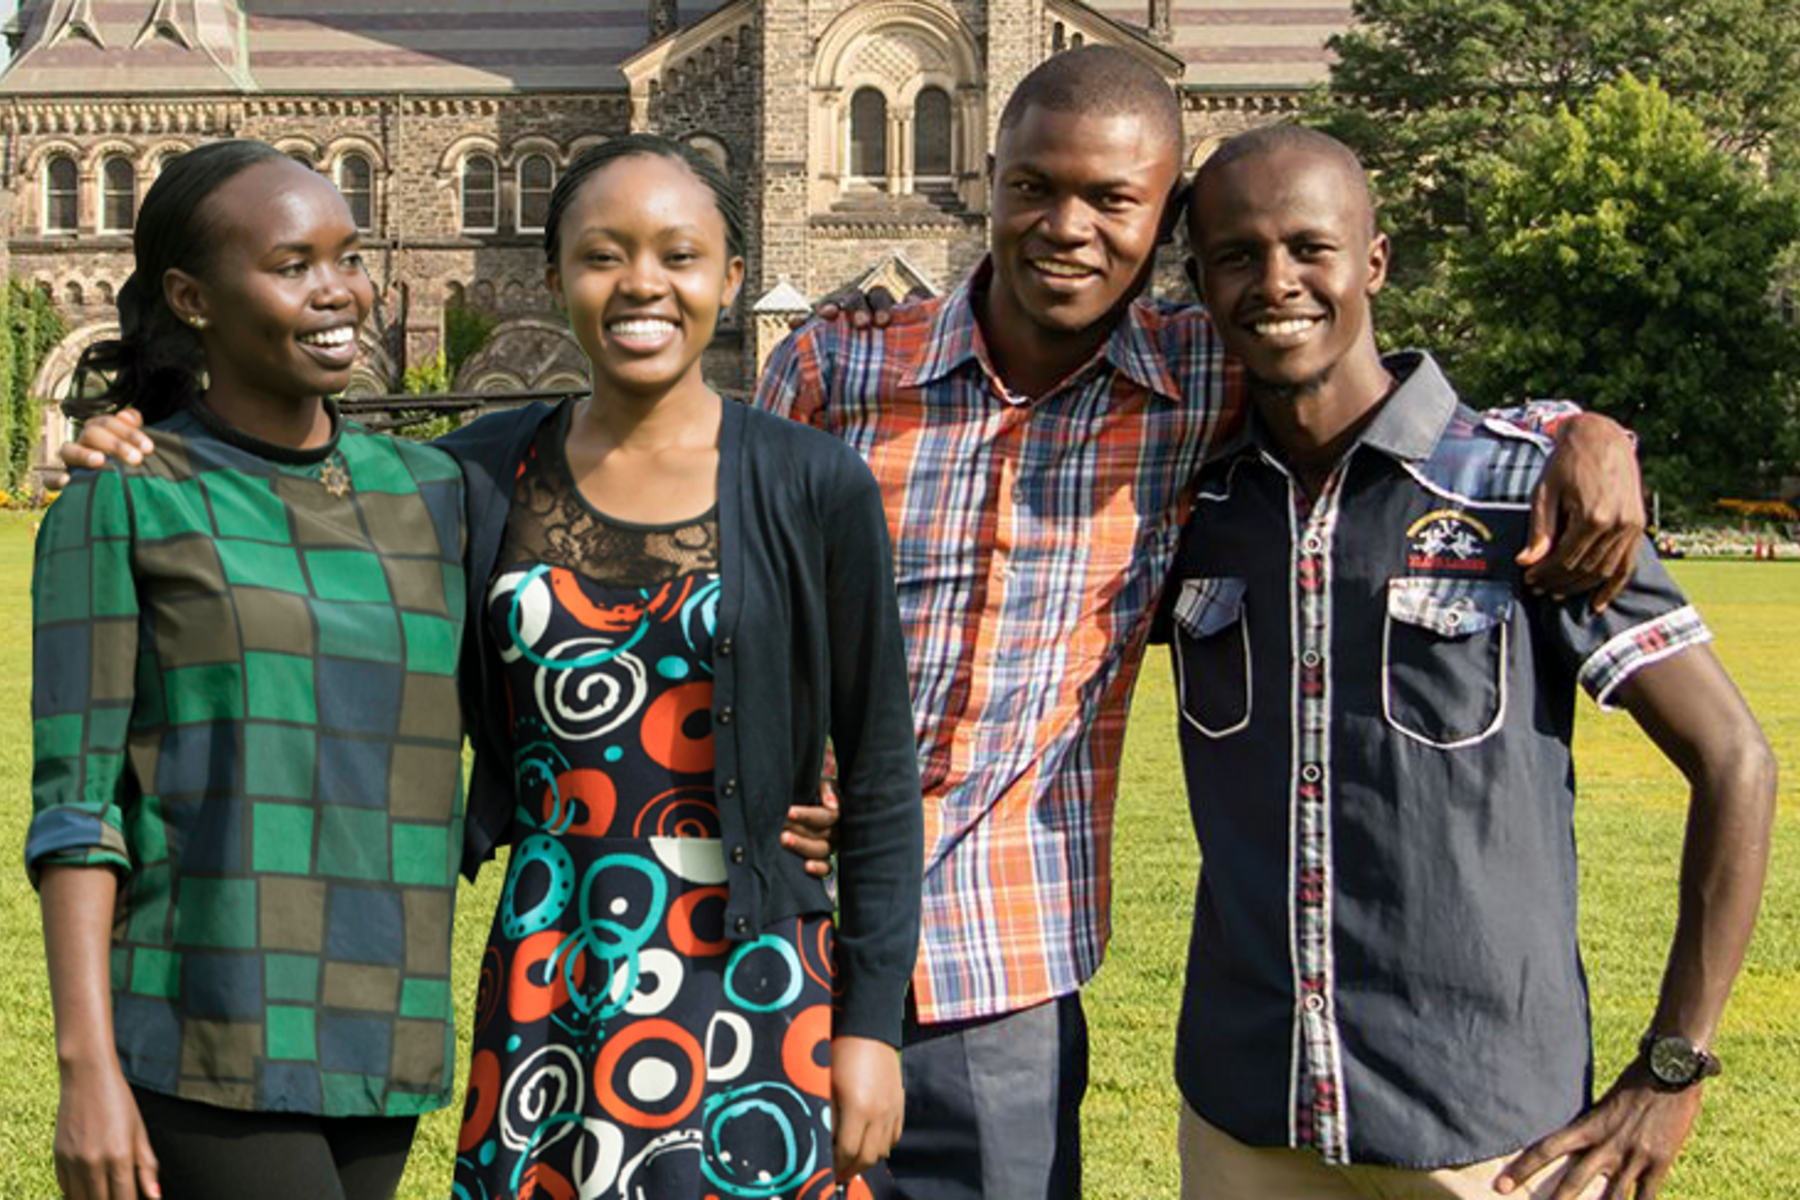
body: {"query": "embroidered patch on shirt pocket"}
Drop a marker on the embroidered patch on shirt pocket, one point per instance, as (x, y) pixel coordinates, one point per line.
(1444, 651)
(1212, 655)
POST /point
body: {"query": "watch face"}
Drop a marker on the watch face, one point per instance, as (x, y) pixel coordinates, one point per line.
(1674, 1060)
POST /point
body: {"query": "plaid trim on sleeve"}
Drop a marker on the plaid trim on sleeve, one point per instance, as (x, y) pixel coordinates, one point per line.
(1625, 653)
(84, 645)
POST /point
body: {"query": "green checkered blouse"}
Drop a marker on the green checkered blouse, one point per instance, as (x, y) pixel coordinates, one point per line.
(244, 701)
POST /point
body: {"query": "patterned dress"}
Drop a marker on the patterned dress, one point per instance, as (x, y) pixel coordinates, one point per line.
(624, 1048)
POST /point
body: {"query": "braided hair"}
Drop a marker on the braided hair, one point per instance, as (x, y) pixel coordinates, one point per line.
(156, 363)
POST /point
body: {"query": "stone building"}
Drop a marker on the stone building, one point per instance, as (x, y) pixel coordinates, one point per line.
(859, 130)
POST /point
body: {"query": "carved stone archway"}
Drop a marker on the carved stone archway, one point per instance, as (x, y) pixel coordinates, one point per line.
(898, 48)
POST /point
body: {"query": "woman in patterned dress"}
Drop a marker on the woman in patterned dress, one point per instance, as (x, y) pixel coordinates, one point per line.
(680, 599)
(674, 603)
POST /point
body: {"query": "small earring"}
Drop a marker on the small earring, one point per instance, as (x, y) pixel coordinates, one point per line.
(197, 322)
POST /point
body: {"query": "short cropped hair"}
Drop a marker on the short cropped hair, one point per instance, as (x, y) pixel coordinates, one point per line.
(1103, 80)
(1270, 139)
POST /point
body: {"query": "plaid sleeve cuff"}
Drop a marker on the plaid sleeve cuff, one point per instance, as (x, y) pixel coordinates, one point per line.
(1639, 646)
(70, 837)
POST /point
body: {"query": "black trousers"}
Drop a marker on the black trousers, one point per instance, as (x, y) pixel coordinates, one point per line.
(993, 1106)
(205, 1152)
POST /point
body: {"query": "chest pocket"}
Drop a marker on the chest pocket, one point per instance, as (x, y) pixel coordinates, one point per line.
(1444, 653)
(1212, 655)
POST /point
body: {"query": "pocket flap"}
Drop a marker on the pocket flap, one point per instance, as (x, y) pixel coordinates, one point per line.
(1206, 606)
(1451, 608)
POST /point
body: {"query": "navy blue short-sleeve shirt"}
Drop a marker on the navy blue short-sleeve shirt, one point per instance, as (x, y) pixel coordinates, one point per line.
(1375, 720)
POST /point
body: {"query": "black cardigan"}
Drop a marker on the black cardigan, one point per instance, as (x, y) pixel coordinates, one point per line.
(807, 647)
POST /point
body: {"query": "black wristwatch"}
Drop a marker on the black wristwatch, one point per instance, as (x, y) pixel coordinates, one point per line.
(1675, 1062)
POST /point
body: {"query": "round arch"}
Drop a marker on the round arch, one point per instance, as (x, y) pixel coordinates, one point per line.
(528, 349)
(350, 144)
(110, 148)
(450, 161)
(33, 161)
(296, 146)
(937, 23)
(154, 152)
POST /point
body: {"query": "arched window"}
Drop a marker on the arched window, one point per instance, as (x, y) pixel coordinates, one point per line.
(62, 195)
(868, 134)
(356, 179)
(931, 134)
(713, 149)
(536, 180)
(118, 195)
(480, 195)
(164, 159)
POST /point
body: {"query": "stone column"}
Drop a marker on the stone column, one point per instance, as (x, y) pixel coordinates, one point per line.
(1014, 47)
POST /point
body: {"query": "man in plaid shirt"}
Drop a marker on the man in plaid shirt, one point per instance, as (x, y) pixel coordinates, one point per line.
(1035, 434)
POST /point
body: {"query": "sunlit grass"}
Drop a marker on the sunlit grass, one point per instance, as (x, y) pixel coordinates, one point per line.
(1629, 823)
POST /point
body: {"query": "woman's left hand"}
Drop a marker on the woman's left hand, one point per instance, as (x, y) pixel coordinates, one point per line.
(868, 1103)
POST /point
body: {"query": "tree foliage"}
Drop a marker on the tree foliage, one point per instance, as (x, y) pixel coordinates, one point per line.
(1423, 88)
(32, 328)
(1619, 255)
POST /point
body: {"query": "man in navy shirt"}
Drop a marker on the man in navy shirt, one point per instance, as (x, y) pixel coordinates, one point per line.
(1384, 992)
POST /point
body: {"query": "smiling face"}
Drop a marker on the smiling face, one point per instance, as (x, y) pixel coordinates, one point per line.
(285, 291)
(1079, 201)
(644, 270)
(1287, 263)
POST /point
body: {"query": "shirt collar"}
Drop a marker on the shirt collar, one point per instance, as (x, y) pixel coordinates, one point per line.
(956, 340)
(1408, 424)
(1418, 410)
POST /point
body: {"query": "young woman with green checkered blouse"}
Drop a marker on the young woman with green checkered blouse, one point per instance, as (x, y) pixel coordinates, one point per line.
(247, 796)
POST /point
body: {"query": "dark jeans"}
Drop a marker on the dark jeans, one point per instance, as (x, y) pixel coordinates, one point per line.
(993, 1106)
(205, 1152)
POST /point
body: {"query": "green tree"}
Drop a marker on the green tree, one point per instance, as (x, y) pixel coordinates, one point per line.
(466, 330)
(1423, 88)
(6, 383)
(428, 378)
(1621, 257)
(33, 328)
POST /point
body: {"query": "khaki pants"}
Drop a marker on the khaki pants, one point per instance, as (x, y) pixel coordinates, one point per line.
(1216, 1166)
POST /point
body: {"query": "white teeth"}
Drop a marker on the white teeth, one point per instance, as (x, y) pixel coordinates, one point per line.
(1066, 270)
(343, 335)
(643, 328)
(1283, 328)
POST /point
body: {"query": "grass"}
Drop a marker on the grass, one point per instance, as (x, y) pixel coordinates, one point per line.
(1629, 824)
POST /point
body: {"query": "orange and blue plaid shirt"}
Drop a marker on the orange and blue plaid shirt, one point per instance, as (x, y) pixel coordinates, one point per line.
(1031, 541)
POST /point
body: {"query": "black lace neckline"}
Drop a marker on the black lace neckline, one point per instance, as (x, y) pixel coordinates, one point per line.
(552, 523)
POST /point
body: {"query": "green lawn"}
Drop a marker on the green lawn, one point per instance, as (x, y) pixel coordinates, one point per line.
(1748, 1143)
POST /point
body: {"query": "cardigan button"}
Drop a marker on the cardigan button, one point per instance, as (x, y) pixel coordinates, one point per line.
(728, 788)
(741, 925)
(725, 715)
(725, 647)
(737, 854)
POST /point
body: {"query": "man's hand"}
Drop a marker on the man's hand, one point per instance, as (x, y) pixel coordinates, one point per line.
(868, 1104)
(1632, 1137)
(811, 833)
(1587, 514)
(117, 435)
(873, 307)
(102, 1151)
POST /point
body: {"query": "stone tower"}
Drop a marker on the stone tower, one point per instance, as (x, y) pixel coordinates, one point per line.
(195, 44)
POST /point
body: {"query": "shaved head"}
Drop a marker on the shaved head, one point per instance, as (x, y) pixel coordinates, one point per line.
(1293, 139)
(1102, 81)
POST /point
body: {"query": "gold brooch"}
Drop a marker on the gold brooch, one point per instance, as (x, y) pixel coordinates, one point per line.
(335, 478)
